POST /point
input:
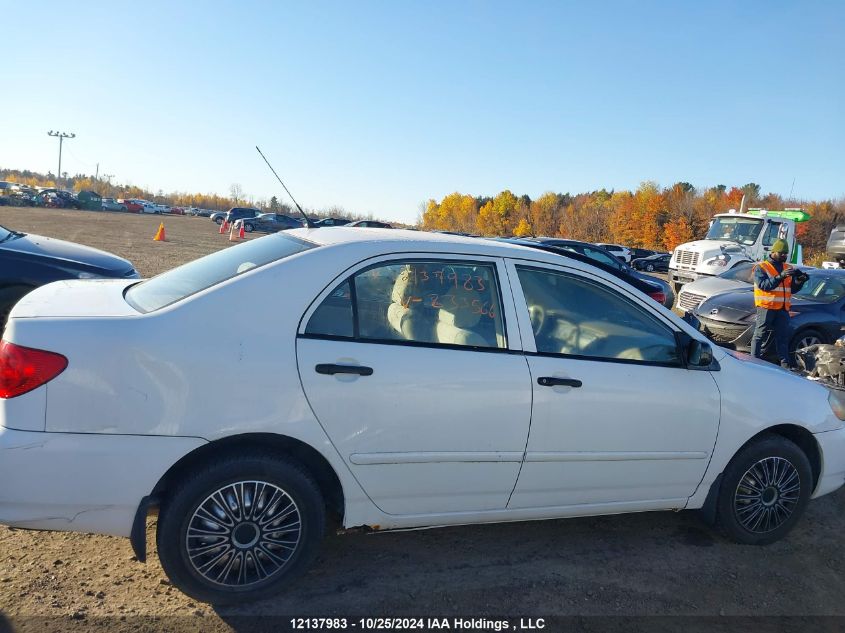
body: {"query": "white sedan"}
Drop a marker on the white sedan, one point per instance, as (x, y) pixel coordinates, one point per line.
(398, 379)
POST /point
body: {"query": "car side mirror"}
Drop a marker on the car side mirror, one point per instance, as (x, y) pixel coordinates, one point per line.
(699, 354)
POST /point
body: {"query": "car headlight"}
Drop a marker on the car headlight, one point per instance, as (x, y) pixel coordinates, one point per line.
(721, 260)
(836, 399)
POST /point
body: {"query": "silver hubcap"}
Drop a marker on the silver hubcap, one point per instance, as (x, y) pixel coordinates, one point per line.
(243, 533)
(767, 495)
(807, 341)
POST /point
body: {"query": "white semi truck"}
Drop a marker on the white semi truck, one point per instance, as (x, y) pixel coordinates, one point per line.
(734, 238)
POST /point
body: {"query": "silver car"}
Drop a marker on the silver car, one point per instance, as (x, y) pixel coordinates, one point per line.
(695, 293)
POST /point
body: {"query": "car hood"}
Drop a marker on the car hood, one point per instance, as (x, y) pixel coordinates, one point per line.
(709, 286)
(76, 255)
(739, 304)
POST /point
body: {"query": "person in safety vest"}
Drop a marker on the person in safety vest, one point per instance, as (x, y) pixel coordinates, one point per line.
(774, 283)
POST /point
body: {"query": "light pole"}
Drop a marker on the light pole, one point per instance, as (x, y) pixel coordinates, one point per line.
(61, 136)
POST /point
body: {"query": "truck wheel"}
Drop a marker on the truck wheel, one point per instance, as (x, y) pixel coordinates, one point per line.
(764, 491)
(240, 528)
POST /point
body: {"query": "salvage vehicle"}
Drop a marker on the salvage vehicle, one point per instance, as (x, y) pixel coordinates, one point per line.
(270, 223)
(396, 379)
(28, 261)
(740, 277)
(110, 204)
(657, 262)
(816, 315)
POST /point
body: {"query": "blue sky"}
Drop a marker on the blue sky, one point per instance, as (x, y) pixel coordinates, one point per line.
(378, 106)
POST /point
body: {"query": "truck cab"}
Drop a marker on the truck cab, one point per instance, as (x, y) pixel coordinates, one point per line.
(734, 238)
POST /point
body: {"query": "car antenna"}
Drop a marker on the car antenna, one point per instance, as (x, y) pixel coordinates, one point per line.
(308, 221)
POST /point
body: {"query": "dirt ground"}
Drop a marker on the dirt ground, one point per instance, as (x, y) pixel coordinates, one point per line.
(629, 565)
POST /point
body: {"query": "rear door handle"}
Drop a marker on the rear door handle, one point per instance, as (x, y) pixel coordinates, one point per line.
(551, 381)
(331, 370)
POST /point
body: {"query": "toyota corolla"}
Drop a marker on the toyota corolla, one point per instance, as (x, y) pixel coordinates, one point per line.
(398, 379)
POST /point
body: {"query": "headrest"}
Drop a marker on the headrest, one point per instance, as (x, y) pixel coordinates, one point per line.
(461, 308)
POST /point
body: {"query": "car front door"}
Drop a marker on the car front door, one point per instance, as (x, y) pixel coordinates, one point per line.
(408, 367)
(618, 421)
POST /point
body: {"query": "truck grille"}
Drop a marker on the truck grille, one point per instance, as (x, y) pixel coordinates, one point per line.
(689, 300)
(688, 259)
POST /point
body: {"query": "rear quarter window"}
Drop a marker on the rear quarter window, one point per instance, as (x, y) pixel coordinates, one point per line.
(211, 270)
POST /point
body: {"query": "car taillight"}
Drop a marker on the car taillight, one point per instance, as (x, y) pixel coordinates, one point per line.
(23, 369)
(658, 295)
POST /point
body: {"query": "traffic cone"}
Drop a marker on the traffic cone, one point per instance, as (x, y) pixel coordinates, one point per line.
(241, 232)
(160, 234)
(233, 237)
(224, 226)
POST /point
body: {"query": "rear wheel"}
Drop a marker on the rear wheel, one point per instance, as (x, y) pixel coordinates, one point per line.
(248, 227)
(240, 528)
(650, 268)
(805, 338)
(218, 220)
(764, 491)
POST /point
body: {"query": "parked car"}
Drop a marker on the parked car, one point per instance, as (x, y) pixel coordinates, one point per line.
(332, 222)
(595, 252)
(694, 293)
(610, 265)
(640, 253)
(28, 261)
(405, 379)
(148, 207)
(373, 224)
(816, 315)
(162, 208)
(57, 199)
(623, 253)
(110, 204)
(658, 262)
(131, 205)
(270, 223)
(835, 247)
(234, 214)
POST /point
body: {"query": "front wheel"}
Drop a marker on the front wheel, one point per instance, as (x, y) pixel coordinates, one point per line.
(240, 528)
(650, 268)
(218, 220)
(764, 491)
(248, 227)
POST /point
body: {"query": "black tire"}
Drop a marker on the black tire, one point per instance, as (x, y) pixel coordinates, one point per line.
(760, 519)
(9, 296)
(218, 220)
(650, 268)
(248, 227)
(182, 509)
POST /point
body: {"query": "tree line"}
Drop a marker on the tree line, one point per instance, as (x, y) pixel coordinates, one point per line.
(649, 217)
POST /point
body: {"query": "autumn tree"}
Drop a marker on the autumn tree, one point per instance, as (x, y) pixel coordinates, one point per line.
(500, 215)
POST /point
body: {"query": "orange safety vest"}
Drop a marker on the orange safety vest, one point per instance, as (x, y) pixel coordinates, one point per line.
(779, 298)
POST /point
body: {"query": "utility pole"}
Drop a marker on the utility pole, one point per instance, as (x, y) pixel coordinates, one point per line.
(61, 136)
(97, 175)
(108, 177)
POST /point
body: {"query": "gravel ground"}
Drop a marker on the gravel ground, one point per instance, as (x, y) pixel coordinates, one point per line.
(628, 565)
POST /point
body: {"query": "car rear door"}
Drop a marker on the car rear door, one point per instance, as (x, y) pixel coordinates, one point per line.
(617, 419)
(411, 364)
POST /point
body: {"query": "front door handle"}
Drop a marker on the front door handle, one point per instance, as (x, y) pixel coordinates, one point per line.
(331, 370)
(551, 381)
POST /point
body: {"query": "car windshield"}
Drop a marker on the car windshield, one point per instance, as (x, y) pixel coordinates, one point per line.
(823, 288)
(211, 270)
(739, 230)
(741, 272)
(6, 234)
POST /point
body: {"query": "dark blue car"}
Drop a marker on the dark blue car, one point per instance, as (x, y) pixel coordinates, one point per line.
(29, 261)
(815, 316)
